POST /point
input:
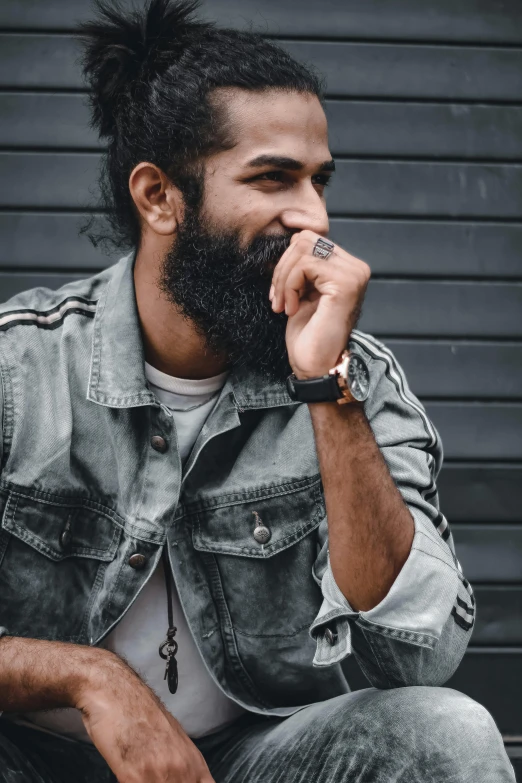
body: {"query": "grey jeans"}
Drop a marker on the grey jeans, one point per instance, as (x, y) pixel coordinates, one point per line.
(412, 735)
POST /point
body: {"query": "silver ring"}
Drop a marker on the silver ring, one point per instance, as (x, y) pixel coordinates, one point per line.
(323, 248)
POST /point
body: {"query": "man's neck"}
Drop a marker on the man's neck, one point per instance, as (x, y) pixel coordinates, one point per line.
(170, 342)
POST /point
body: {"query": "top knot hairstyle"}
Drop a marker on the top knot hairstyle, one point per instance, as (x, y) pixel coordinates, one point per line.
(151, 73)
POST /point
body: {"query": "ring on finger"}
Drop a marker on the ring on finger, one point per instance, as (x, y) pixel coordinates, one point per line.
(323, 248)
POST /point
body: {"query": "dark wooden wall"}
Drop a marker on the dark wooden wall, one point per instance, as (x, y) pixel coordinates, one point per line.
(425, 111)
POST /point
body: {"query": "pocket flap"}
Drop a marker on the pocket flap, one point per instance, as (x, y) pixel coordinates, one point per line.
(287, 513)
(59, 529)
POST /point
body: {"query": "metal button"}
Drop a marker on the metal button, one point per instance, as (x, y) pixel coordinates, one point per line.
(330, 636)
(159, 444)
(262, 534)
(137, 561)
(65, 536)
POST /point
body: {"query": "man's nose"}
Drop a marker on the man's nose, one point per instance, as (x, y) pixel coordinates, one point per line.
(308, 212)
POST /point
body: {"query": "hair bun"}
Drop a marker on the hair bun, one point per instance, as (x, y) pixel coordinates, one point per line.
(122, 48)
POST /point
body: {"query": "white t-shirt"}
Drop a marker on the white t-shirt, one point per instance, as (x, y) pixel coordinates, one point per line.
(199, 704)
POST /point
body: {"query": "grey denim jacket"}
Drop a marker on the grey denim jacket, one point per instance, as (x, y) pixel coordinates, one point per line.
(82, 490)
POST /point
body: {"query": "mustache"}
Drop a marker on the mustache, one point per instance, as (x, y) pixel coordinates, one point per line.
(261, 256)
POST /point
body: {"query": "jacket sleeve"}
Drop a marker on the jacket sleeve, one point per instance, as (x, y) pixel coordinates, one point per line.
(418, 633)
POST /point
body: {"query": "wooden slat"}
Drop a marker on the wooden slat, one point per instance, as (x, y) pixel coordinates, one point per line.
(40, 240)
(46, 120)
(381, 129)
(40, 61)
(68, 180)
(490, 676)
(400, 307)
(367, 187)
(405, 247)
(401, 247)
(433, 20)
(499, 613)
(62, 180)
(471, 492)
(371, 128)
(485, 431)
(443, 308)
(450, 368)
(352, 69)
(408, 71)
(490, 554)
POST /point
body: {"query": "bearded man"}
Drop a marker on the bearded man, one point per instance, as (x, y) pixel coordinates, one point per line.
(214, 488)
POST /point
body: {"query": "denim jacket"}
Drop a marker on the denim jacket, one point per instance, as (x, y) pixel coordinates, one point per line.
(83, 489)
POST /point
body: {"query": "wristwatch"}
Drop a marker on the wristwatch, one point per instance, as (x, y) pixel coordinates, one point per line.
(348, 381)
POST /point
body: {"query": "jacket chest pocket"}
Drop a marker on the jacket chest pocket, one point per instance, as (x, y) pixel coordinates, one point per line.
(260, 554)
(54, 557)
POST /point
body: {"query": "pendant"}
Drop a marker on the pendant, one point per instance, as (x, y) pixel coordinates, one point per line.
(171, 674)
(168, 652)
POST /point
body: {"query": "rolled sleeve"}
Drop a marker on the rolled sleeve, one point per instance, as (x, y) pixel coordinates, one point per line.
(419, 631)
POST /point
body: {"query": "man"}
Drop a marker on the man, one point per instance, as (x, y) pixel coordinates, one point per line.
(191, 543)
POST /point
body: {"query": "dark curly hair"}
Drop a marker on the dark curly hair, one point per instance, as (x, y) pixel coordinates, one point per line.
(152, 73)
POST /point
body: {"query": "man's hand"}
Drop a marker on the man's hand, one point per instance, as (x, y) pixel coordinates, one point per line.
(140, 741)
(322, 298)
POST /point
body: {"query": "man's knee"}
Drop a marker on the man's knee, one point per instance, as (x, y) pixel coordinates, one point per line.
(430, 733)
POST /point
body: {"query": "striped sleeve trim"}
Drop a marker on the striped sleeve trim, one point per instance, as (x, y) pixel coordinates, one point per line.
(463, 613)
(48, 319)
(396, 375)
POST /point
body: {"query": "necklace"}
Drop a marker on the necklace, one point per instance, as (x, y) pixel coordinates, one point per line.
(169, 647)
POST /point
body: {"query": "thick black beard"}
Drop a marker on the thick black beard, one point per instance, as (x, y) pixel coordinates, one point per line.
(222, 288)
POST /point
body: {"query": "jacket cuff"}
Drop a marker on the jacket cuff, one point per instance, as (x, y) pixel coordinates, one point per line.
(414, 611)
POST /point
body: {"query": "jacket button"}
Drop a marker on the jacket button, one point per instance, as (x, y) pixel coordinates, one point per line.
(65, 538)
(137, 561)
(330, 636)
(262, 534)
(159, 444)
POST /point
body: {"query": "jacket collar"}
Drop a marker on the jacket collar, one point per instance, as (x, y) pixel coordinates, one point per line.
(117, 374)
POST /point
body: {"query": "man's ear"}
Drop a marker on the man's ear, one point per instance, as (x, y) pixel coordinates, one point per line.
(158, 201)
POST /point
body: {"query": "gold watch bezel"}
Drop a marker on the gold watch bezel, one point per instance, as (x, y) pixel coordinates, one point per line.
(341, 372)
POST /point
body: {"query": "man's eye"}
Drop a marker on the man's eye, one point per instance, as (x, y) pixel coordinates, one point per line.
(322, 179)
(276, 176)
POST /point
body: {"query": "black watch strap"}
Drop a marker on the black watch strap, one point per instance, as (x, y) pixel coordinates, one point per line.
(323, 389)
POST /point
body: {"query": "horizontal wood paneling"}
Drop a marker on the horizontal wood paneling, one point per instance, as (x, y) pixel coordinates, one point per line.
(438, 248)
(443, 308)
(46, 120)
(54, 180)
(48, 180)
(369, 187)
(408, 71)
(40, 61)
(471, 492)
(393, 308)
(351, 69)
(485, 431)
(432, 20)
(371, 128)
(391, 247)
(450, 368)
(491, 677)
(499, 613)
(377, 128)
(490, 554)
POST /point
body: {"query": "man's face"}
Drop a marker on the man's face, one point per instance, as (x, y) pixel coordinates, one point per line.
(270, 185)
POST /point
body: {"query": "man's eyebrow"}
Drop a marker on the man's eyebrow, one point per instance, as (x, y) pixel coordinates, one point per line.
(290, 164)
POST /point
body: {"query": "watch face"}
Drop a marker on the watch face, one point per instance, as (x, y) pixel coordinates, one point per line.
(358, 378)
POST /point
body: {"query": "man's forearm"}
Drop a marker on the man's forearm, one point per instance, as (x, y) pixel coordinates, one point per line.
(37, 674)
(370, 527)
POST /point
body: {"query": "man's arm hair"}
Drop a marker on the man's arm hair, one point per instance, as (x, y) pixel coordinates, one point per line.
(37, 674)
